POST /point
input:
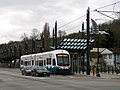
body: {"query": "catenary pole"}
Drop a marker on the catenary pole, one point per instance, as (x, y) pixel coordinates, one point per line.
(88, 38)
(56, 35)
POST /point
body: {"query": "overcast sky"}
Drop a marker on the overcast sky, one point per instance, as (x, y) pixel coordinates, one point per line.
(21, 16)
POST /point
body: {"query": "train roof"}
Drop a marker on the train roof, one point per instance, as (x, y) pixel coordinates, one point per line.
(49, 52)
(55, 52)
(27, 55)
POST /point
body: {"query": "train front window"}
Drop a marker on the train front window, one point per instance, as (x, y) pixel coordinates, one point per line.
(62, 59)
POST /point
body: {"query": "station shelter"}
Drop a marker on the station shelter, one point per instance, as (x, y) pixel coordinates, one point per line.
(77, 49)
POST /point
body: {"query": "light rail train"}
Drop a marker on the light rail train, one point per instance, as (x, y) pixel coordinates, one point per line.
(57, 61)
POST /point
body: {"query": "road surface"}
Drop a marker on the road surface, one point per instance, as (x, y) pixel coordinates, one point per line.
(9, 82)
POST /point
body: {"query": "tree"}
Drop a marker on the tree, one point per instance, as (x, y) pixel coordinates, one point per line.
(61, 34)
(109, 41)
(24, 36)
(114, 25)
(35, 34)
(34, 37)
(46, 35)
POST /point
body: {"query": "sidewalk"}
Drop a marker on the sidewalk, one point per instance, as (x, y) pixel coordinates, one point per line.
(11, 71)
(16, 71)
(102, 76)
(110, 76)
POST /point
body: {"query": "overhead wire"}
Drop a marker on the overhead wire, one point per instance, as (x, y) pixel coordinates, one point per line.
(102, 18)
(71, 21)
(116, 13)
(72, 27)
(107, 11)
(84, 15)
(107, 5)
(105, 14)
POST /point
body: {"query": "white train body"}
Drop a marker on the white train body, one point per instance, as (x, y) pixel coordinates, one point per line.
(57, 61)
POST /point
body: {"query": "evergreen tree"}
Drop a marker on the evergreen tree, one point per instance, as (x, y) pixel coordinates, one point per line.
(109, 40)
(46, 34)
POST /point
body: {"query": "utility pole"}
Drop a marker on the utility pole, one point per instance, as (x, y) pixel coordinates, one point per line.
(56, 35)
(83, 30)
(88, 38)
(83, 53)
(98, 61)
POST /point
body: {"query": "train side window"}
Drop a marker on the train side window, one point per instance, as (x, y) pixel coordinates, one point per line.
(41, 63)
(29, 63)
(48, 61)
(26, 63)
(32, 62)
(54, 63)
(44, 62)
(37, 63)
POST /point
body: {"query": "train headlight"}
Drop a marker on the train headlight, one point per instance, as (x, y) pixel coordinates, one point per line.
(63, 67)
(66, 68)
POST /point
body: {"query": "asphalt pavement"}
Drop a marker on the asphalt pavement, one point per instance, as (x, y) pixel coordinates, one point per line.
(16, 72)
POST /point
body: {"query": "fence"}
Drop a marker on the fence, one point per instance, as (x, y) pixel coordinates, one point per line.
(102, 69)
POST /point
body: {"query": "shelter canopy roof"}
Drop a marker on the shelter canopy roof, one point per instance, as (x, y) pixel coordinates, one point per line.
(74, 44)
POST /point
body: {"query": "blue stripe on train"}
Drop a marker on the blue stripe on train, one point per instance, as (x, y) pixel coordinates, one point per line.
(56, 70)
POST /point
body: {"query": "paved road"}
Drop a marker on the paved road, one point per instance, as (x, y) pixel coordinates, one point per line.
(12, 81)
(16, 71)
